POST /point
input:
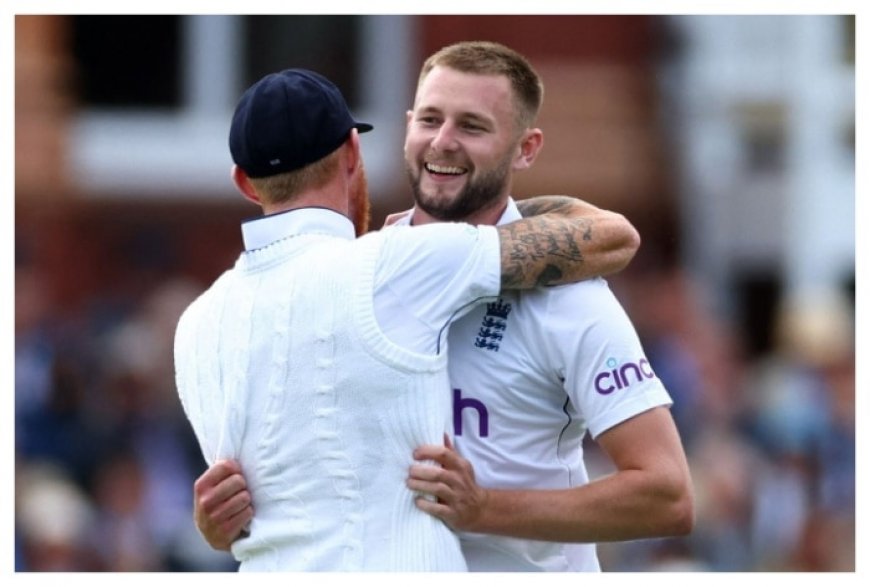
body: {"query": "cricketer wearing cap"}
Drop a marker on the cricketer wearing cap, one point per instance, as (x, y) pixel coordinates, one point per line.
(288, 365)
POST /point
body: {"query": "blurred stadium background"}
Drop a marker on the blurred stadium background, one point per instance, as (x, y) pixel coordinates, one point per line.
(729, 141)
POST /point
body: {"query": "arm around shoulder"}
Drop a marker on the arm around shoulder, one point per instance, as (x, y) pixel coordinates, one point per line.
(562, 240)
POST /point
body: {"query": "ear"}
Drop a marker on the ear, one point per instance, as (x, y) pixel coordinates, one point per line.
(409, 116)
(353, 153)
(530, 145)
(243, 184)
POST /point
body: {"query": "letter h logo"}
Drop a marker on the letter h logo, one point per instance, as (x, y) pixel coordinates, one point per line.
(459, 404)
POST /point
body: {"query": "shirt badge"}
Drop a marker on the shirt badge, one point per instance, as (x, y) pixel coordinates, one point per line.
(493, 326)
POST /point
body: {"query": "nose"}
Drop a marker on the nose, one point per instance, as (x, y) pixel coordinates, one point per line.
(444, 139)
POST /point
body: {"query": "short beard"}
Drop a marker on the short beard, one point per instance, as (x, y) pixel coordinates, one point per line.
(477, 194)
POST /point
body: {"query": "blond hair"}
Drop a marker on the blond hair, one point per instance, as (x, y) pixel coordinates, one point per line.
(283, 187)
(488, 58)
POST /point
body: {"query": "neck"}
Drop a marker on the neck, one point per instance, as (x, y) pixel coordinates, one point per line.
(329, 197)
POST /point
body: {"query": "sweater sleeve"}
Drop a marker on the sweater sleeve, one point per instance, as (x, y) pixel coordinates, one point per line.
(429, 276)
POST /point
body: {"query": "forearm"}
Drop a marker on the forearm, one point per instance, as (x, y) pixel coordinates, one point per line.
(650, 495)
(625, 506)
(607, 240)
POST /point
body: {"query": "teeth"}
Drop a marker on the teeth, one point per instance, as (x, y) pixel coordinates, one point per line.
(446, 169)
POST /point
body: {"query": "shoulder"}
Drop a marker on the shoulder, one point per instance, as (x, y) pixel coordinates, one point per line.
(199, 307)
(191, 316)
(437, 232)
(579, 295)
(454, 240)
(577, 309)
(445, 262)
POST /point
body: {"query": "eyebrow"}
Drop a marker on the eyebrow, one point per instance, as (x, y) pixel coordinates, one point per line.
(463, 116)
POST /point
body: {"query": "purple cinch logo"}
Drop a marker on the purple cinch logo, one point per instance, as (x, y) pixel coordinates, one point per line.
(619, 377)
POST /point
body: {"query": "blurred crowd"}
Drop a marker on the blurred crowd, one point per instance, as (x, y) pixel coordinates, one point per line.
(770, 438)
(105, 459)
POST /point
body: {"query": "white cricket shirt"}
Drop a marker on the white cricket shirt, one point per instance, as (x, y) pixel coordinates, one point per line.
(531, 374)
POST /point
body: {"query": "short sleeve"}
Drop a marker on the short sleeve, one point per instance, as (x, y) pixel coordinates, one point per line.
(606, 373)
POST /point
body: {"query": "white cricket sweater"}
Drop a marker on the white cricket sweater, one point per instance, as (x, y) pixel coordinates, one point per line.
(281, 364)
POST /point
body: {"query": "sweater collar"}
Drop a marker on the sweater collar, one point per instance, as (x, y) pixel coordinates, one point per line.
(265, 230)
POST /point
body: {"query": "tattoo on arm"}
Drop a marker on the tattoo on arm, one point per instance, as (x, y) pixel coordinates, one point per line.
(562, 205)
(541, 250)
(555, 243)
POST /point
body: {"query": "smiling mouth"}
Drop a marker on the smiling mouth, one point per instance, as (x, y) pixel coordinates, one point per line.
(444, 169)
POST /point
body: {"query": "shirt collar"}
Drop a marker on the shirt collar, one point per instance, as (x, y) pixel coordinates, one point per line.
(510, 214)
(260, 232)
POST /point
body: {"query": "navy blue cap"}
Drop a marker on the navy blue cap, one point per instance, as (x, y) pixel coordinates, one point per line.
(288, 120)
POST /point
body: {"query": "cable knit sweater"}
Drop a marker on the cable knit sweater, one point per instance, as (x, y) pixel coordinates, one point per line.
(325, 457)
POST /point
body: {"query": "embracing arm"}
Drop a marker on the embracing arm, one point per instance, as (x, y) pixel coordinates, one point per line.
(561, 240)
(650, 495)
